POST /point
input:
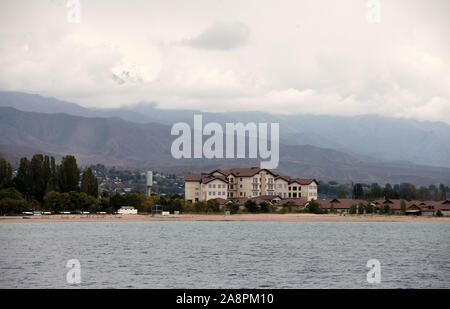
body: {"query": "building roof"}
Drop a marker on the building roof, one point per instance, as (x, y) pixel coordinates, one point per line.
(242, 172)
(203, 178)
(341, 203)
(297, 201)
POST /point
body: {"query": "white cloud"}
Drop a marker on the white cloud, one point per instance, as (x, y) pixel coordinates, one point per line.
(221, 36)
(308, 56)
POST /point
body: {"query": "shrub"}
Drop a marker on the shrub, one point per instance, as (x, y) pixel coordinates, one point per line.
(439, 213)
(12, 206)
(313, 207)
(233, 208)
(265, 207)
(251, 206)
(360, 209)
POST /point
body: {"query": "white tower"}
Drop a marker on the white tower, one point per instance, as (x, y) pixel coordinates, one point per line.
(149, 182)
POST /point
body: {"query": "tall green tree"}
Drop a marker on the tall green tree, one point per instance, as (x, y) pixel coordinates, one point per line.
(5, 173)
(358, 191)
(442, 192)
(89, 183)
(22, 181)
(39, 176)
(68, 174)
(402, 206)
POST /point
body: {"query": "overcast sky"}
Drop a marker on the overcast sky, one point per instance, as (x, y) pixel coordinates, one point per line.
(319, 57)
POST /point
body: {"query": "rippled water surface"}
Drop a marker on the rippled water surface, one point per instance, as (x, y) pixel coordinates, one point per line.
(224, 254)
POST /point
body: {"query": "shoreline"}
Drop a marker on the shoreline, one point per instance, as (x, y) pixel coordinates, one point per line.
(220, 217)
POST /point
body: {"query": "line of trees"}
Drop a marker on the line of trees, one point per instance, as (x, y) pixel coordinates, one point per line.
(403, 191)
(41, 184)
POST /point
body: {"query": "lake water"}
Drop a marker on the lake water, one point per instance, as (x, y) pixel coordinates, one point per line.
(225, 254)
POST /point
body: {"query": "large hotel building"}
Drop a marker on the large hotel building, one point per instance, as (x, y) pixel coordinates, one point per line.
(247, 183)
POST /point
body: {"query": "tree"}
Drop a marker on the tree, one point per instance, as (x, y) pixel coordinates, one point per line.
(313, 207)
(200, 206)
(5, 173)
(358, 191)
(360, 209)
(439, 213)
(341, 194)
(233, 208)
(52, 202)
(385, 209)
(442, 192)
(212, 205)
(436, 195)
(89, 183)
(423, 194)
(116, 201)
(375, 192)
(12, 202)
(22, 181)
(68, 174)
(251, 206)
(332, 210)
(369, 208)
(57, 202)
(352, 209)
(407, 192)
(265, 207)
(402, 206)
(39, 175)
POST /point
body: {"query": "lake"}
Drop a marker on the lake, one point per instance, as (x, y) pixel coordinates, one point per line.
(225, 254)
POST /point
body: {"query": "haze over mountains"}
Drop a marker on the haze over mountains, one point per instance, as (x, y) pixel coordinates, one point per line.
(364, 148)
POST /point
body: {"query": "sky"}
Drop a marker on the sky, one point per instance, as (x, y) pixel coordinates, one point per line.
(285, 57)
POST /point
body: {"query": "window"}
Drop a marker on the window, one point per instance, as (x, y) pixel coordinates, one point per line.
(214, 186)
(255, 193)
(209, 193)
(209, 186)
(280, 186)
(270, 180)
(240, 179)
(196, 193)
(270, 193)
(285, 185)
(270, 186)
(255, 187)
(214, 192)
(240, 186)
(255, 179)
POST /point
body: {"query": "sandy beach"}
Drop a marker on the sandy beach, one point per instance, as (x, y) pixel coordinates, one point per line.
(220, 217)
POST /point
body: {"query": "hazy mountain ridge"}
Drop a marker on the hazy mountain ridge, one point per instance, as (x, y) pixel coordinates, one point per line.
(114, 141)
(370, 138)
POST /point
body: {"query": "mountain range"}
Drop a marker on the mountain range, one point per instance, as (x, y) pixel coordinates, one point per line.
(359, 149)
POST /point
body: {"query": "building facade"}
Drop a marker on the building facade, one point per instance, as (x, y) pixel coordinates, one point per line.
(251, 182)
